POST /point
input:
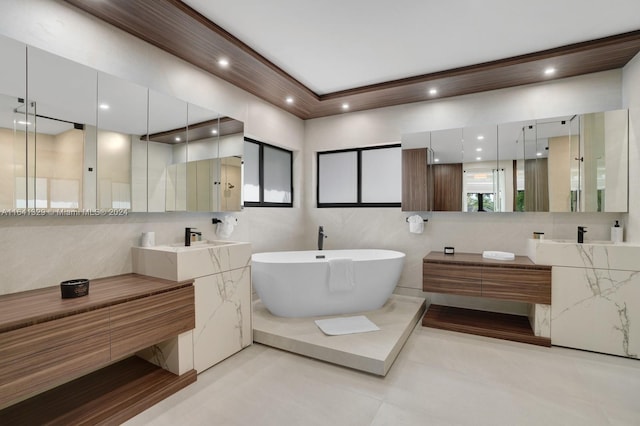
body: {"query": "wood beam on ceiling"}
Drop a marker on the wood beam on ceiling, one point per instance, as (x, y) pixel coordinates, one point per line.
(178, 29)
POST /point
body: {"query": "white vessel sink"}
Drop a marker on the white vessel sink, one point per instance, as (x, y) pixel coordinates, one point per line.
(177, 262)
(197, 245)
(600, 242)
(599, 254)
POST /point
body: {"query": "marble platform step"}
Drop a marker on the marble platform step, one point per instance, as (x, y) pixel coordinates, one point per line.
(108, 396)
(373, 352)
(490, 324)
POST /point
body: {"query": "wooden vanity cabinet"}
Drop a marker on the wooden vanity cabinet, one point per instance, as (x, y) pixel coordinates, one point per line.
(468, 274)
(67, 356)
(144, 322)
(30, 362)
(529, 285)
(452, 279)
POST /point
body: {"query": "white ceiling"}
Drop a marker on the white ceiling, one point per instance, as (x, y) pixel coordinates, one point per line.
(331, 45)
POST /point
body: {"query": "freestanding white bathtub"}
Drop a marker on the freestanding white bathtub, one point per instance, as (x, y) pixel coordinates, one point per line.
(295, 283)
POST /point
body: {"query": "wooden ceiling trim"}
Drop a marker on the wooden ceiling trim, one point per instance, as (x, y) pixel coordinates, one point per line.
(178, 29)
(225, 126)
(621, 47)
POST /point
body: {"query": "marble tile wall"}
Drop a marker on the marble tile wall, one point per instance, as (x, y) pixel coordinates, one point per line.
(39, 252)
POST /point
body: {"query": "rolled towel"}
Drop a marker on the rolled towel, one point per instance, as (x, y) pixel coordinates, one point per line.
(341, 275)
(416, 224)
(498, 255)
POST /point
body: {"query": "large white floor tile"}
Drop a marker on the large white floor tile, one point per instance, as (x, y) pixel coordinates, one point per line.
(439, 378)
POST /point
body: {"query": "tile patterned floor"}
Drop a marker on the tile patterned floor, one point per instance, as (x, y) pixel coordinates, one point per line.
(439, 378)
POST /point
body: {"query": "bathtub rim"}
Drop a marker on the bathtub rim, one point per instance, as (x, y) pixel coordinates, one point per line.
(290, 256)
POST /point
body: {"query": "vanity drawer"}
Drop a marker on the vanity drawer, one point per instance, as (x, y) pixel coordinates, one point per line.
(451, 279)
(523, 285)
(47, 354)
(145, 322)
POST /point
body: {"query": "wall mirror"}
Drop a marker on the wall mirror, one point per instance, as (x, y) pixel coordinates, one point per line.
(576, 163)
(13, 121)
(80, 140)
(122, 117)
(60, 116)
(165, 149)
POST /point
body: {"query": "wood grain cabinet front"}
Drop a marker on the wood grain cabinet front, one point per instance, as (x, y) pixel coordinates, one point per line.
(61, 360)
(452, 279)
(144, 322)
(30, 363)
(517, 284)
(469, 274)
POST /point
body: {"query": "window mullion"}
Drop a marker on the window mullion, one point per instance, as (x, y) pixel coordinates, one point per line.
(261, 173)
(359, 183)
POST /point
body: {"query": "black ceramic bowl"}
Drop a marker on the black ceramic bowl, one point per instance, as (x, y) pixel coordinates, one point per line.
(74, 288)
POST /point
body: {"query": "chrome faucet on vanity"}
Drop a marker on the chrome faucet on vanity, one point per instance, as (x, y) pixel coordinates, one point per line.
(321, 237)
(581, 232)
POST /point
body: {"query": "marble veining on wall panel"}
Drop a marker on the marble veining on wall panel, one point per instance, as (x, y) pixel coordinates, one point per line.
(540, 319)
(174, 355)
(604, 256)
(596, 309)
(223, 316)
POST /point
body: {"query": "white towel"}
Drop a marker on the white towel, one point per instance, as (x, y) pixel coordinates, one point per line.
(416, 224)
(346, 325)
(225, 227)
(341, 275)
(498, 255)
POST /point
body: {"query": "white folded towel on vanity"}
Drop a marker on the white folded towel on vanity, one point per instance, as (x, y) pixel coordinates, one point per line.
(498, 255)
(341, 275)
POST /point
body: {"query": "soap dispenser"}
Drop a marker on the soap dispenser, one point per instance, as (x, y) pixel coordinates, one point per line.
(616, 233)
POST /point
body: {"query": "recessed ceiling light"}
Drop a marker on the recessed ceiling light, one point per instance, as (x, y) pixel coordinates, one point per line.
(345, 106)
(178, 139)
(478, 149)
(223, 62)
(478, 158)
(480, 137)
(104, 106)
(539, 154)
(549, 71)
(214, 131)
(433, 91)
(437, 160)
(289, 100)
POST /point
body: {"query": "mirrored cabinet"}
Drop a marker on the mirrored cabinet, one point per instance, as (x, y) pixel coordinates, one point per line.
(74, 139)
(576, 163)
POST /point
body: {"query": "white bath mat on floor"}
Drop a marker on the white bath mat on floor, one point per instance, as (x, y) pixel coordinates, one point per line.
(346, 325)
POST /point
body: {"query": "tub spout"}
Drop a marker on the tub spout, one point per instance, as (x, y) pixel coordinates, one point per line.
(321, 237)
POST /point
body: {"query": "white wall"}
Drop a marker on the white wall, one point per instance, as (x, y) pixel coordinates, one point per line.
(37, 252)
(42, 251)
(467, 232)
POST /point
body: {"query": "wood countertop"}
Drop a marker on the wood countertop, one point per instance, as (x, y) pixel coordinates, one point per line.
(476, 259)
(31, 307)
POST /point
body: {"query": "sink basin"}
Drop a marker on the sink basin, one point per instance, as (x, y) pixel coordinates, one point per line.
(178, 263)
(202, 244)
(599, 242)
